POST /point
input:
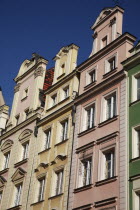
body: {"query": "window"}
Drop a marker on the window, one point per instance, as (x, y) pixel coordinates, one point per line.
(91, 77)
(108, 164)
(59, 182)
(25, 151)
(26, 114)
(109, 108)
(85, 172)
(6, 160)
(89, 117)
(66, 92)
(41, 189)
(136, 200)
(54, 99)
(104, 42)
(18, 194)
(25, 93)
(17, 119)
(138, 88)
(136, 142)
(0, 196)
(64, 130)
(110, 64)
(47, 139)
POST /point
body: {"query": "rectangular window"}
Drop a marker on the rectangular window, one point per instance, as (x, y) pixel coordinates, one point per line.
(54, 99)
(109, 164)
(25, 151)
(85, 172)
(66, 92)
(89, 117)
(64, 130)
(26, 114)
(6, 160)
(18, 194)
(138, 88)
(104, 42)
(59, 182)
(47, 139)
(90, 77)
(136, 143)
(17, 119)
(41, 189)
(0, 196)
(110, 64)
(111, 107)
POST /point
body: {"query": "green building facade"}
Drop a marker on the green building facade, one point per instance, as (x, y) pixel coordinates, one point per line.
(132, 67)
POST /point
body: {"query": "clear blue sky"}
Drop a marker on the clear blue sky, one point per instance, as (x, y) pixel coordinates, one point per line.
(44, 26)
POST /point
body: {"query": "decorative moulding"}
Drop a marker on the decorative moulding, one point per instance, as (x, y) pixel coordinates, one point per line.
(16, 88)
(39, 71)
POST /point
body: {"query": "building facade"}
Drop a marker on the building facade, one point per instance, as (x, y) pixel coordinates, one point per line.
(132, 67)
(99, 165)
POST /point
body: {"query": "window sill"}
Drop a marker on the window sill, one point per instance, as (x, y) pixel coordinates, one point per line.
(134, 102)
(90, 85)
(109, 73)
(59, 143)
(38, 202)
(52, 107)
(86, 187)
(65, 99)
(55, 196)
(134, 159)
(4, 171)
(23, 99)
(15, 207)
(86, 131)
(21, 162)
(106, 181)
(108, 121)
(45, 150)
(59, 77)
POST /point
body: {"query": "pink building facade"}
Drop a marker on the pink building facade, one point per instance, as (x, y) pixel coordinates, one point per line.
(99, 164)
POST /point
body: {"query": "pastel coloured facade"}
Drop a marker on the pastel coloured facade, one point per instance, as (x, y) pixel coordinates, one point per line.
(55, 134)
(99, 164)
(132, 67)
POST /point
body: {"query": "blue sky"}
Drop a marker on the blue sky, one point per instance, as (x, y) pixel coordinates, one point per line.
(44, 26)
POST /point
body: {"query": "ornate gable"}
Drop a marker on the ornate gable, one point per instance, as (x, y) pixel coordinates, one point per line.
(18, 176)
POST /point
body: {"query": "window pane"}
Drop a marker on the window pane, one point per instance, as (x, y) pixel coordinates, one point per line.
(138, 88)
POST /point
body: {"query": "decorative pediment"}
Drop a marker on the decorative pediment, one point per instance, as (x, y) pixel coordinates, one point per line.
(2, 181)
(58, 157)
(41, 165)
(102, 15)
(25, 134)
(6, 146)
(19, 175)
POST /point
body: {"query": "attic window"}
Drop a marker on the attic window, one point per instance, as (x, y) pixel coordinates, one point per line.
(104, 42)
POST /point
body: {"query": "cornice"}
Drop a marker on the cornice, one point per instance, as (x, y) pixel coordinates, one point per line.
(20, 126)
(58, 112)
(61, 82)
(131, 61)
(100, 86)
(119, 41)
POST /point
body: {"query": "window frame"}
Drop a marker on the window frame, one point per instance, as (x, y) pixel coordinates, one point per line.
(88, 76)
(25, 152)
(59, 182)
(6, 160)
(136, 142)
(107, 63)
(18, 194)
(41, 189)
(47, 142)
(134, 93)
(64, 130)
(104, 105)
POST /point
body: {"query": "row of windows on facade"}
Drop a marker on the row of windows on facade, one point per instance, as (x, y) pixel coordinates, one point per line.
(57, 188)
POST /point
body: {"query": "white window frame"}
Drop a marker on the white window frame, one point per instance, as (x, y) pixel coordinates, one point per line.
(59, 182)
(102, 165)
(134, 93)
(25, 152)
(18, 194)
(136, 199)
(107, 63)
(6, 160)
(41, 189)
(66, 92)
(47, 137)
(104, 105)
(85, 179)
(136, 141)
(107, 39)
(64, 130)
(88, 76)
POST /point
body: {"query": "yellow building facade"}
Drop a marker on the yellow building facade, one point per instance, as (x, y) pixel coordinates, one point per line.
(50, 183)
